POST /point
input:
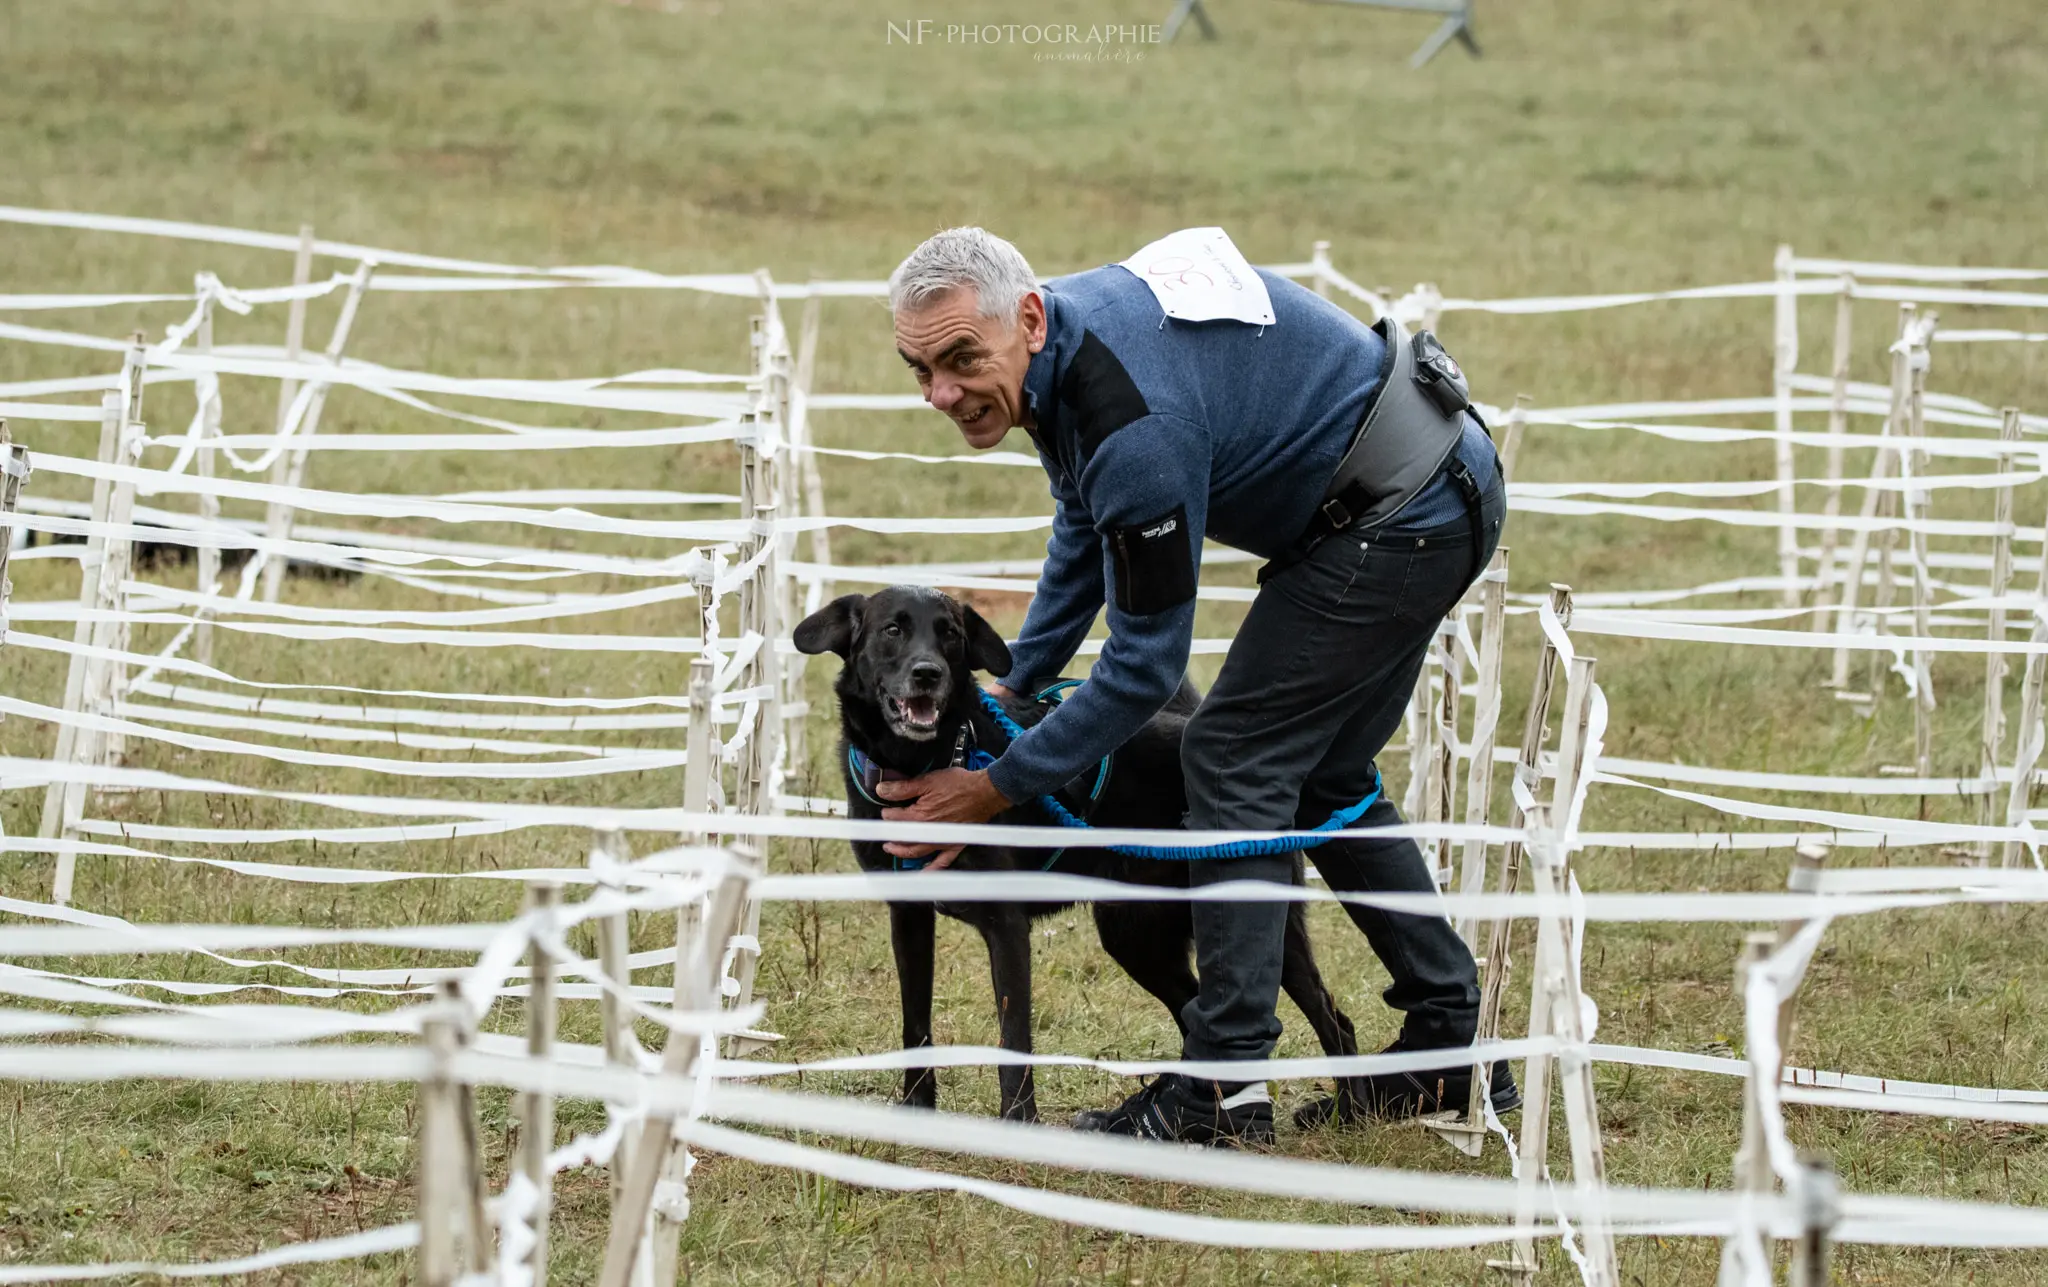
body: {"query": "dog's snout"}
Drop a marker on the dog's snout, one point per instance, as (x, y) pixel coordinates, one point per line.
(927, 674)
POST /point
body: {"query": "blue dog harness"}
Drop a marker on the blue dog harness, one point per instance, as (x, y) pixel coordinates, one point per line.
(1232, 849)
(866, 775)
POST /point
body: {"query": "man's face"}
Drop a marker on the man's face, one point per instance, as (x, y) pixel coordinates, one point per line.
(969, 366)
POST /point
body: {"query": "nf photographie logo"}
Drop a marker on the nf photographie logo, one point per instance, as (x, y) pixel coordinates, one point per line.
(1067, 35)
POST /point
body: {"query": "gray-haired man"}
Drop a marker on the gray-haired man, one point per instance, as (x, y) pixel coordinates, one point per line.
(1342, 453)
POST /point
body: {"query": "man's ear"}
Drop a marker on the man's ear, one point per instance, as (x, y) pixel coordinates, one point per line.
(831, 628)
(985, 648)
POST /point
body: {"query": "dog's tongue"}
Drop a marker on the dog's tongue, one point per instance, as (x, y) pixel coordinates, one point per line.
(922, 709)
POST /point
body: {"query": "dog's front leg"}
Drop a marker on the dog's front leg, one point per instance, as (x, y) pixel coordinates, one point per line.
(1008, 935)
(911, 927)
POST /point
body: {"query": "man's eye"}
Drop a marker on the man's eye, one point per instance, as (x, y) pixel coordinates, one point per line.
(966, 362)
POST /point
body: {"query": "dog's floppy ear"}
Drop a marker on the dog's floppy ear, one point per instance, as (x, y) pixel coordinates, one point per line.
(830, 628)
(985, 648)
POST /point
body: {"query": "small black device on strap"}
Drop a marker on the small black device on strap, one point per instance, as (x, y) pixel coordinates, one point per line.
(1408, 434)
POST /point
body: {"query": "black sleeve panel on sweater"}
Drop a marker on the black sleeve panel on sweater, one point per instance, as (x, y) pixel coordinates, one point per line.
(1102, 394)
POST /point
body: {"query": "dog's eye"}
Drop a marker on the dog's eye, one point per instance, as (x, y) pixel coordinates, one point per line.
(893, 630)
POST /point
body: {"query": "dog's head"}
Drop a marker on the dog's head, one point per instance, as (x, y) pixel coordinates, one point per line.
(910, 653)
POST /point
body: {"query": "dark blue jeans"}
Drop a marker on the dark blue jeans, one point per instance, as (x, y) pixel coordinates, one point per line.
(1317, 680)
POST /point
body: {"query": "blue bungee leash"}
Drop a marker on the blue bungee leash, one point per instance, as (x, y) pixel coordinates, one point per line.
(1233, 849)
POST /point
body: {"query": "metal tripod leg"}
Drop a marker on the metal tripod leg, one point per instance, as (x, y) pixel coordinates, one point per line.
(1182, 11)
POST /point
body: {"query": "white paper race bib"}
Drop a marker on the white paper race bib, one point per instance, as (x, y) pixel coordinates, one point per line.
(1199, 276)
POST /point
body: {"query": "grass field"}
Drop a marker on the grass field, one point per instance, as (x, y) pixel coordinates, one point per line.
(1598, 146)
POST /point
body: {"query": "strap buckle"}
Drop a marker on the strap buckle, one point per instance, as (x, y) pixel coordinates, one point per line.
(1335, 513)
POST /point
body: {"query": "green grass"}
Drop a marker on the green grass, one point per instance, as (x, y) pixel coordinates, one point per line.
(1598, 146)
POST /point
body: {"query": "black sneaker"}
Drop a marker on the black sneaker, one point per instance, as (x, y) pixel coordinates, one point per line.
(1385, 1096)
(1178, 1108)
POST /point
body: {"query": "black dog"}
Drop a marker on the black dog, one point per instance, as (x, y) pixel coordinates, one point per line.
(908, 704)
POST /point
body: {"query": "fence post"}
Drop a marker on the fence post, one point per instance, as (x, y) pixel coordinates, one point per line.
(1511, 436)
(1918, 503)
(1820, 1206)
(112, 747)
(1555, 1013)
(799, 598)
(288, 387)
(1993, 738)
(1574, 1063)
(1528, 774)
(1419, 796)
(289, 469)
(81, 671)
(758, 766)
(1808, 859)
(2027, 739)
(609, 850)
(1443, 769)
(102, 680)
(1485, 726)
(1893, 504)
(1752, 1159)
(537, 1107)
(1784, 364)
(700, 767)
(294, 333)
(14, 472)
(700, 970)
(1874, 499)
(449, 1214)
(208, 559)
(1838, 426)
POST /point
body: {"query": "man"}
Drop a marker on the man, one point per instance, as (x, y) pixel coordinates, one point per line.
(1156, 432)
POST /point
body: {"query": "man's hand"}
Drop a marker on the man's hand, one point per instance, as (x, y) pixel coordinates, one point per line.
(943, 795)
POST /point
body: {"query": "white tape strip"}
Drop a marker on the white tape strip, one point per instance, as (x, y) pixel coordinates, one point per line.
(187, 667)
(352, 1246)
(628, 761)
(1096, 1213)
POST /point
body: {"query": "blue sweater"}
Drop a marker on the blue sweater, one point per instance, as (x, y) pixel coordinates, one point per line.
(1156, 433)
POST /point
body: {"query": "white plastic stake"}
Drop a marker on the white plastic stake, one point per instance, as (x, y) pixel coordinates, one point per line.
(81, 671)
(1993, 737)
(209, 504)
(289, 470)
(1528, 773)
(1838, 427)
(1785, 363)
(1485, 727)
(1859, 542)
(537, 1107)
(701, 970)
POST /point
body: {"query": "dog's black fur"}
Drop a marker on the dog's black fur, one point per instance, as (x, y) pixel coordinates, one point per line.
(906, 689)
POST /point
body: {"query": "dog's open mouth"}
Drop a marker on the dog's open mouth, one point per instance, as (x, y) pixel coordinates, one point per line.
(915, 717)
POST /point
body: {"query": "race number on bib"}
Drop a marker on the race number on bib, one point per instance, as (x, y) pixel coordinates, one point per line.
(1199, 276)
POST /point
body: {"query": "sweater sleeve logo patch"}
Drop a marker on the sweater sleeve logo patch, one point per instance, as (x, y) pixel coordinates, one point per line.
(1101, 393)
(1154, 563)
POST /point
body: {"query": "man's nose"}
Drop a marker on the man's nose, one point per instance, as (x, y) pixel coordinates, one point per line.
(943, 395)
(927, 674)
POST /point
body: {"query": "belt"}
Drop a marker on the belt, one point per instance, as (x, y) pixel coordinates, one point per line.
(1341, 511)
